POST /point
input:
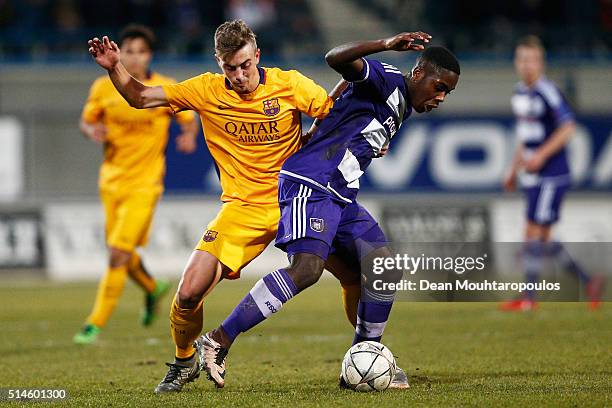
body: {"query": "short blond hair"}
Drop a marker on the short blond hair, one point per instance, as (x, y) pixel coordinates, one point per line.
(531, 41)
(232, 36)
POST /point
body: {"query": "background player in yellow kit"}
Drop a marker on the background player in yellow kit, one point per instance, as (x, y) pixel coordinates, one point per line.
(251, 118)
(131, 176)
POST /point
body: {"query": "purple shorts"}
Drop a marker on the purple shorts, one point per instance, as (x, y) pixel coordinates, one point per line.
(316, 222)
(544, 202)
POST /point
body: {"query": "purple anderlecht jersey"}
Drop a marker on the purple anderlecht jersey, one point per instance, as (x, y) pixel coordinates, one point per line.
(363, 120)
(539, 111)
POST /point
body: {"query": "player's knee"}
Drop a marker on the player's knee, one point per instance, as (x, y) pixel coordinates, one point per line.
(305, 270)
(188, 298)
(199, 277)
(393, 275)
(118, 257)
(537, 232)
(188, 295)
(372, 266)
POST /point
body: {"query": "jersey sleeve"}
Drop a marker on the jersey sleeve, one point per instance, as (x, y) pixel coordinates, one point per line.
(560, 110)
(311, 98)
(187, 95)
(185, 117)
(377, 78)
(93, 111)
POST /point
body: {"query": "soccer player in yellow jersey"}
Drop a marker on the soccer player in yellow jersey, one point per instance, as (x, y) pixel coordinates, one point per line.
(251, 118)
(131, 176)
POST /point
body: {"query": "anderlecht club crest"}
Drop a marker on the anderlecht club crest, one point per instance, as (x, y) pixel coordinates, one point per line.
(317, 224)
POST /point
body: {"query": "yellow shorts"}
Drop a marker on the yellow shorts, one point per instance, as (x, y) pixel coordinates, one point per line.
(128, 218)
(239, 233)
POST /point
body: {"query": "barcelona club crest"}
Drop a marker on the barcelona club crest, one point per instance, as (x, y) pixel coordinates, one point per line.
(317, 224)
(271, 106)
(209, 236)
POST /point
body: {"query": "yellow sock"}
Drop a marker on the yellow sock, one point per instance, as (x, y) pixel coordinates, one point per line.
(185, 326)
(109, 291)
(350, 298)
(139, 274)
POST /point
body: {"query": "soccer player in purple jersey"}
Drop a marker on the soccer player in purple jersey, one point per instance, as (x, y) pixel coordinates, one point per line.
(318, 186)
(544, 126)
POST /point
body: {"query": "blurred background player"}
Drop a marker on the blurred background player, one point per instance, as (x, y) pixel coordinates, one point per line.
(131, 176)
(318, 189)
(544, 125)
(248, 145)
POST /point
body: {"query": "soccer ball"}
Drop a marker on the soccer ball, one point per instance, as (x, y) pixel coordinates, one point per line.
(368, 366)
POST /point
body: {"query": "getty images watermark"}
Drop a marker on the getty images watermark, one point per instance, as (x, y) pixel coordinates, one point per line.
(459, 265)
(490, 271)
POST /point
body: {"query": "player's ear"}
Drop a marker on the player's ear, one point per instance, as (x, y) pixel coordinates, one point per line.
(219, 61)
(257, 54)
(418, 72)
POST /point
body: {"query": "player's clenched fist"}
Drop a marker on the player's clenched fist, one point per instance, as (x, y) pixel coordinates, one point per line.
(105, 52)
(406, 41)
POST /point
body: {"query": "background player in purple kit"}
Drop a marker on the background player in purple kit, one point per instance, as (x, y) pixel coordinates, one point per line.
(318, 187)
(544, 125)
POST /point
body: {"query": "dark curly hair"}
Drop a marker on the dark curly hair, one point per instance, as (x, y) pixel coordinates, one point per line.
(440, 57)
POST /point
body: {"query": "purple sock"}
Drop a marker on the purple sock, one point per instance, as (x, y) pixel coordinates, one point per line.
(532, 261)
(265, 298)
(557, 250)
(372, 315)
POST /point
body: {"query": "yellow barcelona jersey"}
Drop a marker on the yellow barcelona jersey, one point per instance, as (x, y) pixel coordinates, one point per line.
(134, 151)
(250, 136)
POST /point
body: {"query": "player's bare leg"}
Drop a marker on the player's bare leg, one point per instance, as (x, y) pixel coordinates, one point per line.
(201, 275)
(349, 277)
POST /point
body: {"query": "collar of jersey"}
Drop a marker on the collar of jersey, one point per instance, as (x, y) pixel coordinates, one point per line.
(523, 85)
(262, 79)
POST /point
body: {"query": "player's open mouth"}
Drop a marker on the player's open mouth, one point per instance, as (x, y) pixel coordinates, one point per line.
(430, 107)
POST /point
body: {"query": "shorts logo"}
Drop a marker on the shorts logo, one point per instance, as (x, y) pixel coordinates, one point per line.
(271, 107)
(317, 224)
(209, 236)
(271, 307)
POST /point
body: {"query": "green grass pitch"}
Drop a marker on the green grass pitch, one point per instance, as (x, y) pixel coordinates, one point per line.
(456, 354)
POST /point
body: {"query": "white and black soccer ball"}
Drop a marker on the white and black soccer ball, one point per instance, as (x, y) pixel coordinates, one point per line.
(368, 366)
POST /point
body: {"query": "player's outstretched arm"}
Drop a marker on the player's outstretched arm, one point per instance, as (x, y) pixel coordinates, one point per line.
(107, 54)
(346, 58)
